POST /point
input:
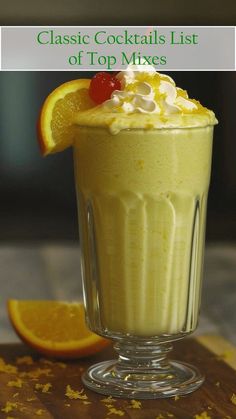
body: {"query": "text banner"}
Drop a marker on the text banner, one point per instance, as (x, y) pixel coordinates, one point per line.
(114, 48)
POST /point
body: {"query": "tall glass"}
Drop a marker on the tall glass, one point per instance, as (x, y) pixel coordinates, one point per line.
(142, 197)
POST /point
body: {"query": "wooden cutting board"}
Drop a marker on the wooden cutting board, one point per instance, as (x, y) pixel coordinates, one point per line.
(32, 387)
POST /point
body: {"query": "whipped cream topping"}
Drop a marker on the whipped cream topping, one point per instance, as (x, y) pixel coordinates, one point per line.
(147, 100)
(146, 91)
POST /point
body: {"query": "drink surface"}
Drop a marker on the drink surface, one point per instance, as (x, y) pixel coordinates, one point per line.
(142, 203)
(147, 100)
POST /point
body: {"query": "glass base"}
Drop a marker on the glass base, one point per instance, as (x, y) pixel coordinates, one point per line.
(143, 378)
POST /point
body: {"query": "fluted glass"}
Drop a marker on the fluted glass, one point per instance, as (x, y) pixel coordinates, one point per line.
(142, 199)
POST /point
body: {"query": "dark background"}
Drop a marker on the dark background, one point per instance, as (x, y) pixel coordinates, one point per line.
(107, 12)
(37, 194)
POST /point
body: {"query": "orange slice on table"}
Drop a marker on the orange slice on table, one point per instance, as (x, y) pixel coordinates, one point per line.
(54, 328)
(55, 125)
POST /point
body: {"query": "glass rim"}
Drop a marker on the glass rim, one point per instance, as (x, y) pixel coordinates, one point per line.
(107, 128)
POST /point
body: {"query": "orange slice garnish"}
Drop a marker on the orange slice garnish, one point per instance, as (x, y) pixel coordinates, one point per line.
(54, 328)
(55, 125)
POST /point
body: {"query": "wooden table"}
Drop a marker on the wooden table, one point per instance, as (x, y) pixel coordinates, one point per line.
(32, 387)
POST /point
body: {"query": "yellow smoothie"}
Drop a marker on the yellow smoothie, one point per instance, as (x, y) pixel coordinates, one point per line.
(142, 180)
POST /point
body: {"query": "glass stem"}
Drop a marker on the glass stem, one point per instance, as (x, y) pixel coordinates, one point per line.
(142, 358)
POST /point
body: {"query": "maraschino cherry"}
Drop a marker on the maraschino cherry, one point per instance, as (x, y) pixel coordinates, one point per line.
(102, 85)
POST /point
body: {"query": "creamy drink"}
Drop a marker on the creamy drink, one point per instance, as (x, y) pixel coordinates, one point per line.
(142, 164)
(142, 154)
